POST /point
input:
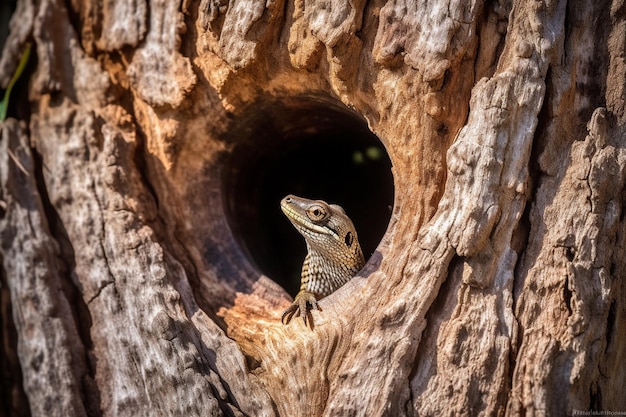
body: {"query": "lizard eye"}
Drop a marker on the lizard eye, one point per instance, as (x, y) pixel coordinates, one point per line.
(316, 213)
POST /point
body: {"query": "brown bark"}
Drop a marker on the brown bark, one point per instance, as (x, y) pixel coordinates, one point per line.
(498, 288)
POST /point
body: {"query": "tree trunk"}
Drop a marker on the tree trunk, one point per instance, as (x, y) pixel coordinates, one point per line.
(132, 283)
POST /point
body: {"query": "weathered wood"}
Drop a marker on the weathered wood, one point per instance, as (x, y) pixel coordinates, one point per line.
(498, 288)
(48, 343)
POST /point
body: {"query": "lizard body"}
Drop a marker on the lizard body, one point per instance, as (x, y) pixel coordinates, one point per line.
(334, 254)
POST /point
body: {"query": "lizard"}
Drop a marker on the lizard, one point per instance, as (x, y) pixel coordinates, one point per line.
(334, 254)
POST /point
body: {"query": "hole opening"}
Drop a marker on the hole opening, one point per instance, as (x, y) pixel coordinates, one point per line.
(313, 148)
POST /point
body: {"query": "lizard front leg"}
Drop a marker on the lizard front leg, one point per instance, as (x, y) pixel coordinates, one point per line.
(299, 306)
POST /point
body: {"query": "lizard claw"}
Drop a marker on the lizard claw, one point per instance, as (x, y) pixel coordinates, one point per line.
(299, 307)
(288, 313)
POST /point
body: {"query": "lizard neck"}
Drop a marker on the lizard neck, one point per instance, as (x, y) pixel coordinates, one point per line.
(322, 275)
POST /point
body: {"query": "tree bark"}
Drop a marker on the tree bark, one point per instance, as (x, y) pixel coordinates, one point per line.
(499, 287)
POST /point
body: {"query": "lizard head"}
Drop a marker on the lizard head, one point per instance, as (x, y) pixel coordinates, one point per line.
(326, 228)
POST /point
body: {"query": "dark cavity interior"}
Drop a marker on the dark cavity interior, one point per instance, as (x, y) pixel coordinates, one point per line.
(312, 148)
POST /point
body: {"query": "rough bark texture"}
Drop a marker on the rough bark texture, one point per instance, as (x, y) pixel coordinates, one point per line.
(499, 287)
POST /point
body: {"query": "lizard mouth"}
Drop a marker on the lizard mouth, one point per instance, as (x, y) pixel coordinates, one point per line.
(302, 221)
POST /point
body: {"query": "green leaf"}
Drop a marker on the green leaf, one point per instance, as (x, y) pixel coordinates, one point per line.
(4, 104)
